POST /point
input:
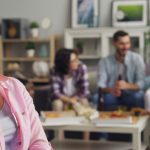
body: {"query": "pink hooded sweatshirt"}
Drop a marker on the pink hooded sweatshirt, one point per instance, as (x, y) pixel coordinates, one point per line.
(30, 134)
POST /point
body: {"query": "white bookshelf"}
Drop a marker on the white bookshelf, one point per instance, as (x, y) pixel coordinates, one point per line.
(101, 38)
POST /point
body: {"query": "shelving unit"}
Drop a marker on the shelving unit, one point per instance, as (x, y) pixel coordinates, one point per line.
(13, 51)
(97, 42)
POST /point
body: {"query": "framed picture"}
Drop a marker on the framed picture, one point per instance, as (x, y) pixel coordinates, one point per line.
(84, 13)
(129, 13)
(14, 28)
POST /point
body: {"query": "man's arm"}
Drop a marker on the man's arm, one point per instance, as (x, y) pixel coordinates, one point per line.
(138, 75)
(102, 80)
(123, 85)
(112, 90)
(140, 72)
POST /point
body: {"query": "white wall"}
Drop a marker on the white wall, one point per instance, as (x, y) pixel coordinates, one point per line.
(105, 12)
(57, 10)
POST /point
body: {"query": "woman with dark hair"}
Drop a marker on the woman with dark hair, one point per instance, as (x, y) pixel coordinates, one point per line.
(62, 61)
(69, 80)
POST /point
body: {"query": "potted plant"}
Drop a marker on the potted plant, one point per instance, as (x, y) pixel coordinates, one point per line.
(34, 26)
(30, 47)
(79, 46)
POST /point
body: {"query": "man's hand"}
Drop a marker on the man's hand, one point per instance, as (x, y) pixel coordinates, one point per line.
(115, 91)
(122, 85)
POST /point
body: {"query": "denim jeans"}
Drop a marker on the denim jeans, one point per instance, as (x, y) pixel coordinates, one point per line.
(128, 99)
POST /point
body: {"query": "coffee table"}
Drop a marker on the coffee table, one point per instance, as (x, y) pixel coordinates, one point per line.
(135, 129)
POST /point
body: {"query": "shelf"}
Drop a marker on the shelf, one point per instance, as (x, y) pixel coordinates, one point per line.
(102, 36)
(25, 59)
(89, 56)
(13, 52)
(25, 40)
(39, 80)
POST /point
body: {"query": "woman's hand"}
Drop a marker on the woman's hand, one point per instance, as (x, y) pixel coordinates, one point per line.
(74, 100)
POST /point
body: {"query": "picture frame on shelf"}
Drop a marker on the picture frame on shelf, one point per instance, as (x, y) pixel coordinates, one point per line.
(129, 13)
(84, 13)
(14, 28)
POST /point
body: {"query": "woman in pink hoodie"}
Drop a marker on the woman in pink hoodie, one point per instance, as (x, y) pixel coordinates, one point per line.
(20, 127)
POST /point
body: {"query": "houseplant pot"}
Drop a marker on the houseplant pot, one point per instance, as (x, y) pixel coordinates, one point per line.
(34, 28)
(30, 47)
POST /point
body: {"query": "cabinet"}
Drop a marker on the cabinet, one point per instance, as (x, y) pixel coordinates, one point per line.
(14, 51)
(94, 43)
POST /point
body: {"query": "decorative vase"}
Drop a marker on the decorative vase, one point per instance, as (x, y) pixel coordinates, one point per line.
(43, 51)
(40, 68)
